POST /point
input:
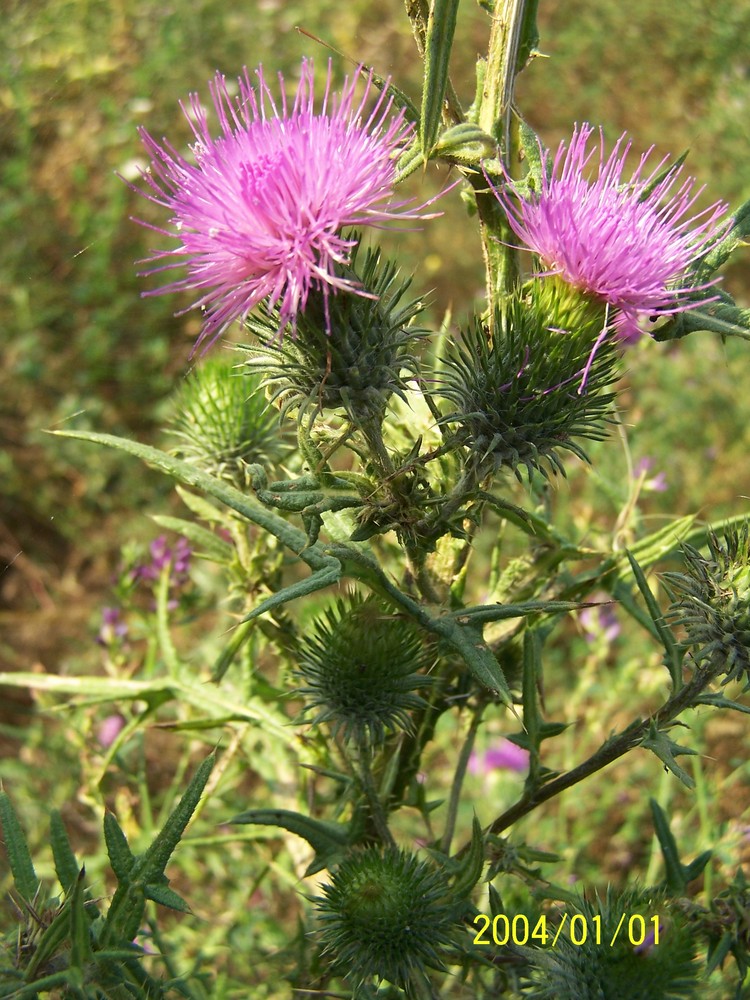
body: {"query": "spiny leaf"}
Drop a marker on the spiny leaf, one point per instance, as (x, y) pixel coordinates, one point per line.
(677, 875)
(319, 580)
(66, 866)
(723, 318)
(150, 866)
(667, 750)
(165, 896)
(120, 856)
(471, 865)
(672, 657)
(326, 838)
(21, 865)
(80, 935)
(189, 475)
(720, 701)
(737, 235)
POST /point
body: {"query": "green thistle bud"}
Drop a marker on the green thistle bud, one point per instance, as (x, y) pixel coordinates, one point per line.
(637, 945)
(388, 914)
(712, 602)
(224, 423)
(521, 399)
(354, 357)
(360, 667)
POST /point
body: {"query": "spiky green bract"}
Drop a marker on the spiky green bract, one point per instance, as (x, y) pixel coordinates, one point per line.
(712, 602)
(348, 352)
(360, 665)
(525, 396)
(619, 954)
(386, 913)
(224, 423)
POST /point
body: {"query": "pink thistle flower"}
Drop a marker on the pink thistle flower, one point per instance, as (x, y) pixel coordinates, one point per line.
(629, 244)
(504, 755)
(260, 212)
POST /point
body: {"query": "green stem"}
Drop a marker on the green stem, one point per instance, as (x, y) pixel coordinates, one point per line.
(610, 751)
(458, 780)
(377, 811)
(512, 27)
(418, 12)
(420, 987)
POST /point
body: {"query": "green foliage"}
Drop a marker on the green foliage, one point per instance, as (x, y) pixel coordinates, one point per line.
(67, 947)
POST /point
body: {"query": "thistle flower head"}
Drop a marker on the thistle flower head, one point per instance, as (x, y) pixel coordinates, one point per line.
(360, 668)
(631, 245)
(259, 214)
(712, 602)
(364, 356)
(641, 971)
(223, 422)
(518, 398)
(387, 914)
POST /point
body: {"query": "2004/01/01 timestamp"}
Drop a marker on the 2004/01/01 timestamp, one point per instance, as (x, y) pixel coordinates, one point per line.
(636, 929)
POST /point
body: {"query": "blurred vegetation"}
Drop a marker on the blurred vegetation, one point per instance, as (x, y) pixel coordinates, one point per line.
(76, 79)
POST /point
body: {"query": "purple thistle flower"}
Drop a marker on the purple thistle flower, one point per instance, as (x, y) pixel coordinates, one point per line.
(259, 214)
(505, 755)
(629, 244)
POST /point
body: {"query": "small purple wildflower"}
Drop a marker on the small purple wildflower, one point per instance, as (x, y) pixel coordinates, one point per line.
(631, 244)
(657, 483)
(259, 214)
(109, 729)
(162, 555)
(113, 627)
(504, 756)
(600, 622)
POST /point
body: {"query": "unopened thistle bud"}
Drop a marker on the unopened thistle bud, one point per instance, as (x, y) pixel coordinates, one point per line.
(349, 352)
(223, 422)
(712, 602)
(360, 666)
(634, 946)
(388, 914)
(526, 395)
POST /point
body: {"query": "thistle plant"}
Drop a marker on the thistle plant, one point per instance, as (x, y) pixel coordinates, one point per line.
(712, 603)
(350, 352)
(353, 442)
(387, 914)
(223, 423)
(360, 667)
